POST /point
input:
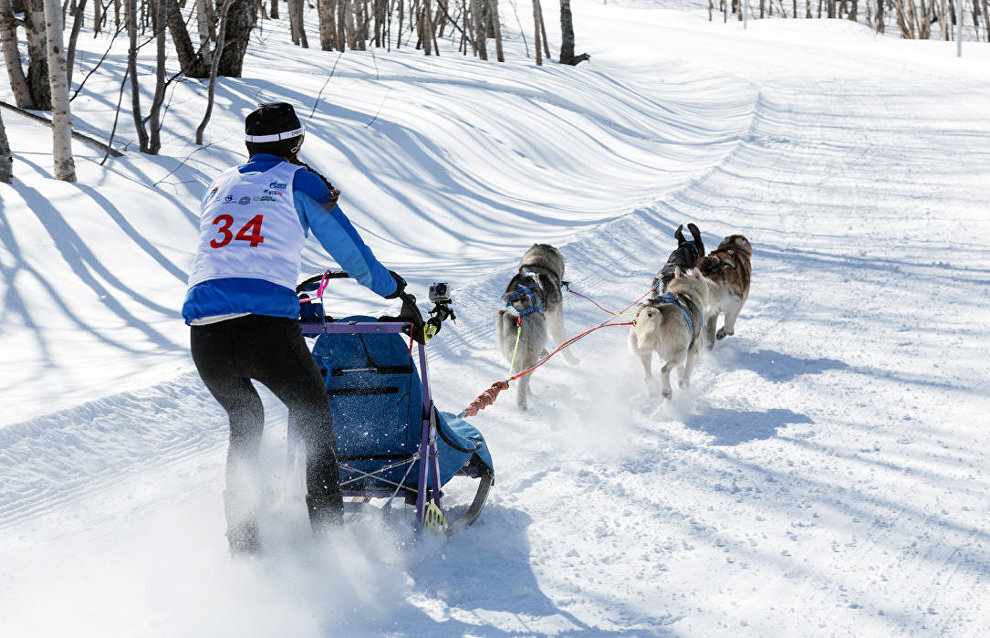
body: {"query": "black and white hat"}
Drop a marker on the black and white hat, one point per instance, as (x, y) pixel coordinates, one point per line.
(272, 122)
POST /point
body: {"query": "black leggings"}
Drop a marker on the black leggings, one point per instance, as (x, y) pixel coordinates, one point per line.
(271, 350)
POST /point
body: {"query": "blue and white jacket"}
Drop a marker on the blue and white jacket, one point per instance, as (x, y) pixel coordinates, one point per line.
(250, 241)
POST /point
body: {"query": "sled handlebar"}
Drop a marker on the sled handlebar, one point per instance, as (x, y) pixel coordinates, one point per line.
(439, 295)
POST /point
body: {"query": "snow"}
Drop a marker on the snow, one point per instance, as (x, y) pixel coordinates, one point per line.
(825, 475)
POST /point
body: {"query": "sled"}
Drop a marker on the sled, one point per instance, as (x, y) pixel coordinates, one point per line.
(392, 441)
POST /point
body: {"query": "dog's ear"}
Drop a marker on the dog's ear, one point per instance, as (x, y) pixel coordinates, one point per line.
(679, 234)
(727, 264)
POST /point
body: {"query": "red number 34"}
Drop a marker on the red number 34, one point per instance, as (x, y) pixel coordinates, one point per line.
(249, 232)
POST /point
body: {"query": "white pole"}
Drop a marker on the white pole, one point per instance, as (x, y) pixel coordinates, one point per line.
(959, 19)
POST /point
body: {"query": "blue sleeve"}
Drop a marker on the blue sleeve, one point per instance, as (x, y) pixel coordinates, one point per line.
(336, 234)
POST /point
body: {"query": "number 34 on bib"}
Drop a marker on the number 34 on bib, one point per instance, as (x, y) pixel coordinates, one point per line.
(249, 232)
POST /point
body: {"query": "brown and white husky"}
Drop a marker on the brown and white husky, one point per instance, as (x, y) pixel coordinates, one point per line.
(729, 268)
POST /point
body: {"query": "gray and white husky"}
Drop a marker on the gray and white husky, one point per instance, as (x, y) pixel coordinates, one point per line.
(534, 311)
(671, 326)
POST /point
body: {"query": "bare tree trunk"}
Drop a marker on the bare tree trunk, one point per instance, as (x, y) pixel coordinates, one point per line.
(341, 24)
(880, 16)
(6, 159)
(296, 25)
(37, 76)
(241, 18)
(130, 11)
(537, 18)
(155, 116)
(479, 30)
(65, 167)
(497, 23)
(543, 32)
(904, 19)
(201, 129)
(206, 21)
(567, 36)
(273, 9)
(347, 9)
(12, 57)
(77, 23)
(324, 11)
(192, 62)
(357, 27)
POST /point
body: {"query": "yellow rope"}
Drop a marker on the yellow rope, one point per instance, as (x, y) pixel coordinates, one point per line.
(515, 348)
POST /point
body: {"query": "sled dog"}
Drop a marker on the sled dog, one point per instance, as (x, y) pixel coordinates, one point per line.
(729, 269)
(670, 324)
(534, 310)
(683, 258)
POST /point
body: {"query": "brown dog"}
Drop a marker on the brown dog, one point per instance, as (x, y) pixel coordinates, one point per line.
(729, 268)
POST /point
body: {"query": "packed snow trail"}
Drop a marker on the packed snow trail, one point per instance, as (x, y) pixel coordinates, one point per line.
(825, 474)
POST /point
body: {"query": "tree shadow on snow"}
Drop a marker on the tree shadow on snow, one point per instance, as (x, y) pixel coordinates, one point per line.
(780, 368)
(732, 427)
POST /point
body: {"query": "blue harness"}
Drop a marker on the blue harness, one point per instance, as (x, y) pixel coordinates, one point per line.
(675, 300)
(536, 303)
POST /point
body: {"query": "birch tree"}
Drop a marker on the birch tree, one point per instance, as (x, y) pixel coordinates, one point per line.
(32, 89)
(12, 57)
(65, 167)
(37, 77)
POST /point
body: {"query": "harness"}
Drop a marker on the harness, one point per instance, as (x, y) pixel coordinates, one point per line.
(685, 305)
(677, 260)
(536, 301)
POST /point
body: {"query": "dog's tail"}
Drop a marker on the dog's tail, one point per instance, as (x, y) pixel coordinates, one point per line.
(700, 245)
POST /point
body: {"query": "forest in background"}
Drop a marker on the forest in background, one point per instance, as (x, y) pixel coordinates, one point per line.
(208, 39)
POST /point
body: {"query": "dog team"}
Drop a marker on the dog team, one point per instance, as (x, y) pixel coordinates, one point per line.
(687, 296)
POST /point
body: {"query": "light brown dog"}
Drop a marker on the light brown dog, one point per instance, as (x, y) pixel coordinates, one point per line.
(729, 269)
(670, 325)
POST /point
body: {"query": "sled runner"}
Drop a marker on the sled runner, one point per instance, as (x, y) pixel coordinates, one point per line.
(392, 441)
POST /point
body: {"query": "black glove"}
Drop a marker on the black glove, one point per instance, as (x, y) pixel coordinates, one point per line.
(410, 312)
(400, 285)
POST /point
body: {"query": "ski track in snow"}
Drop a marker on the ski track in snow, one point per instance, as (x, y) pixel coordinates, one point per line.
(824, 475)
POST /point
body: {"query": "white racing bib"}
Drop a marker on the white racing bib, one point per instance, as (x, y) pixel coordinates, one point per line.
(249, 227)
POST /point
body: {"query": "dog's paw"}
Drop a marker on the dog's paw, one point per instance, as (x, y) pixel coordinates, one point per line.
(668, 394)
(723, 333)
